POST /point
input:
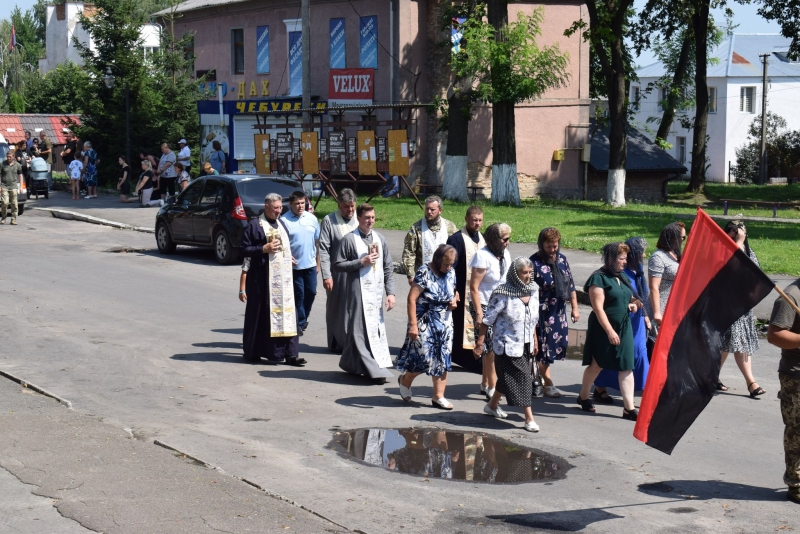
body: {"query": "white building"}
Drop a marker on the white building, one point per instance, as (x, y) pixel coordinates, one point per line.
(735, 92)
(63, 23)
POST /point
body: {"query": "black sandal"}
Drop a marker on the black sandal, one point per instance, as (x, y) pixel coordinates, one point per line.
(602, 397)
(631, 415)
(586, 404)
(756, 392)
(721, 386)
(296, 362)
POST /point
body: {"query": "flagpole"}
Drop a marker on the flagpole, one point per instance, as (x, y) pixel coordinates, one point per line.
(787, 299)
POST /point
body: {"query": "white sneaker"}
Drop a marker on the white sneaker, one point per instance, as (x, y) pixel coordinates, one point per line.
(531, 427)
(498, 413)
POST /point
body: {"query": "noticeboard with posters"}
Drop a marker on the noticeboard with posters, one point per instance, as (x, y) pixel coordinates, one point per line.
(323, 149)
(367, 153)
(262, 146)
(310, 152)
(398, 152)
(337, 153)
(283, 154)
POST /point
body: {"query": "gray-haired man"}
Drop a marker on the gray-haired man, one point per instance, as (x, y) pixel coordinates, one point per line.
(333, 229)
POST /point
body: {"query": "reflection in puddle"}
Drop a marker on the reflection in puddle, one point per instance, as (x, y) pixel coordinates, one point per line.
(435, 453)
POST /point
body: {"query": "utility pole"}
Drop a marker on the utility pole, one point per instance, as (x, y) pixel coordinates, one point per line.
(306, 43)
(763, 174)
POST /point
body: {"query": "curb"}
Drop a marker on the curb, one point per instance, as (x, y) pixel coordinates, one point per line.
(75, 216)
(256, 486)
(37, 389)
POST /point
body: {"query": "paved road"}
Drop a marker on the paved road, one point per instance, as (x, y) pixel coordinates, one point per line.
(152, 343)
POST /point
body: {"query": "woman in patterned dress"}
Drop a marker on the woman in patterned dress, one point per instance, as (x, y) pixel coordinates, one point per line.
(741, 338)
(429, 342)
(513, 313)
(552, 274)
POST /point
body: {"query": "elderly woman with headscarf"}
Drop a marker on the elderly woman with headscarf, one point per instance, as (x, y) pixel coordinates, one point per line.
(513, 312)
(429, 342)
(663, 267)
(552, 274)
(640, 323)
(609, 338)
(488, 269)
(741, 338)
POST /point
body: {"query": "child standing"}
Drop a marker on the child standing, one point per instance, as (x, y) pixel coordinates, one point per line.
(75, 171)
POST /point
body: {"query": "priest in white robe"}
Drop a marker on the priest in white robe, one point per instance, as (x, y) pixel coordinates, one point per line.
(364, 257)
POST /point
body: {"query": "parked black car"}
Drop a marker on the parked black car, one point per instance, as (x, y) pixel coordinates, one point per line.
(214, 210)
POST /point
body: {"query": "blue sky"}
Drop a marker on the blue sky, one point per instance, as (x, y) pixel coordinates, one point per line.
(745, 16)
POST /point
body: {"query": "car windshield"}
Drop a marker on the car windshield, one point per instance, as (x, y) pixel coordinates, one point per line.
(254, 191)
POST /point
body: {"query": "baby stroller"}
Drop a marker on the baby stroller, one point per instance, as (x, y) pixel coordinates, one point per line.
(37, 178)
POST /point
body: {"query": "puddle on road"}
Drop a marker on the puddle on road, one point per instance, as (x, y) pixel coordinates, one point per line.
(435, 453)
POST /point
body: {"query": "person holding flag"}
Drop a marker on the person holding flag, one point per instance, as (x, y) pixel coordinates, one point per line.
(784, 333)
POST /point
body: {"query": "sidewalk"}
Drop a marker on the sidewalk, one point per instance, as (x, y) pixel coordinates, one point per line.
(583, 263)
(103, 479)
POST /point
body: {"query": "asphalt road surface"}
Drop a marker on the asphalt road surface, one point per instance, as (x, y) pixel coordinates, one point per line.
(148, 347)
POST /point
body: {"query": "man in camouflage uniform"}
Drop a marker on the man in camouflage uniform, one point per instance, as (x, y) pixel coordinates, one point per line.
(784, 332)
(425, 236)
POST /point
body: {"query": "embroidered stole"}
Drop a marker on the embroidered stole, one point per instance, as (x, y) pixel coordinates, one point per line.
(470, 248)
(431, 240)
(372, 287)
(282, 318)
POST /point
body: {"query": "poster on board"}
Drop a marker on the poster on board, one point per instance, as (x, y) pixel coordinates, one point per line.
(337, 153)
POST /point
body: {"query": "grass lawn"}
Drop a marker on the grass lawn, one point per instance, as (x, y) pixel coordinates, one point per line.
(590, 225)
(711, 201)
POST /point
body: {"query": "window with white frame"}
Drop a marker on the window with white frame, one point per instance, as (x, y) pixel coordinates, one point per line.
(636, 96)
(747, 97)
(680, 150)
(712, 99)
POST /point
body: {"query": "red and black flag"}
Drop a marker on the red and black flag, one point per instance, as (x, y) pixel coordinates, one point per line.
(716, 284)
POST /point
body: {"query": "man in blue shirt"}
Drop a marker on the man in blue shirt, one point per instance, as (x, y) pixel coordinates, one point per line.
(303, 231)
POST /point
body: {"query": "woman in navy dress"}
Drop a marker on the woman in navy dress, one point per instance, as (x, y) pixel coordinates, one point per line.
(640, 323)
(552, 274)
(429, 342)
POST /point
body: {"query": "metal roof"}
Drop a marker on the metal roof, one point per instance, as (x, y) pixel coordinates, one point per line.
(738, 56)
(643, 154)
(194, 5)
(14, 125)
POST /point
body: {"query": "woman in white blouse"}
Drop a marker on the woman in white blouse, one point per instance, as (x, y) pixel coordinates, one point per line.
(487, 270)
(513, 312)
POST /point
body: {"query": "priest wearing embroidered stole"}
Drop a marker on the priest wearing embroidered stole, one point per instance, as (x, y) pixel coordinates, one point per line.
(364, 258)
(333, 229)
(270, 320)
(425, 236)
(467, 242)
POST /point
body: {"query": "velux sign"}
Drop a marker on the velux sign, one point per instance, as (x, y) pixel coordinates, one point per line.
(351, 86)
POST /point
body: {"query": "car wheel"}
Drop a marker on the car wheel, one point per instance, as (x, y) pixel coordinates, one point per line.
(164, 240)
(20, 208)
(223, 250)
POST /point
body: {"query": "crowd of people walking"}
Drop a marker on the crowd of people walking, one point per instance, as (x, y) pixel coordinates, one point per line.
(469, 303)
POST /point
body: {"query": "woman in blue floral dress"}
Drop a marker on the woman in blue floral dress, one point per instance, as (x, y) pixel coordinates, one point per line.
(429, 343)
(552, 274)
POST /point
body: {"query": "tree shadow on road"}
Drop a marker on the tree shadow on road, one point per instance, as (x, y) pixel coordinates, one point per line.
(712, 489)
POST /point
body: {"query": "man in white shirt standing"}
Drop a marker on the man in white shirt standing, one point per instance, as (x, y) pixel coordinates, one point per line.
(184, 155)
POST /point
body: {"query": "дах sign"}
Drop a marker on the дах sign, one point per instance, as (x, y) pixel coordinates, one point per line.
(351, 86)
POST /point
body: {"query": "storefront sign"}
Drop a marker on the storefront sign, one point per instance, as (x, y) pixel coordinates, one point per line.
(351, 86)
(262, 50)
(295, 63)
(261, 106)
(368, 49)
(338, 56)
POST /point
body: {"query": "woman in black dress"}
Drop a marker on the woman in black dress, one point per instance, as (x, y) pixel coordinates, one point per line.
(124, 182)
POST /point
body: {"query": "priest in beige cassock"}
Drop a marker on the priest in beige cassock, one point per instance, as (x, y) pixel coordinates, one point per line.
(466, 242)
(270, 320)
(333, 229)
(363, 257)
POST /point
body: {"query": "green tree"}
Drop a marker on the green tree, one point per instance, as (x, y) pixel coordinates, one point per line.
(787, 14)
(28, 36)
(608, 26)
(16, 103)
(509, 67)
(58, 91)
(783, 150)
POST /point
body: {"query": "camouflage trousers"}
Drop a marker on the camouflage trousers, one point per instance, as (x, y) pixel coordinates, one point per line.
(790, 410)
